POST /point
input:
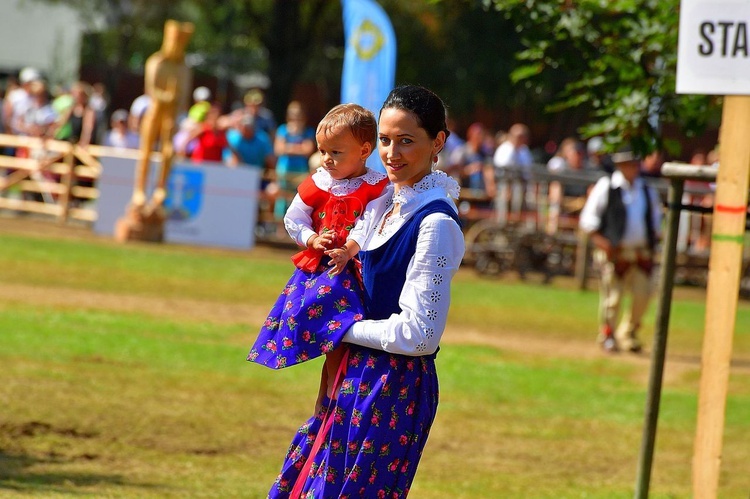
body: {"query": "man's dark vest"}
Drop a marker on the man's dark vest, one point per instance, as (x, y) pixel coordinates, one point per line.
(613, 219)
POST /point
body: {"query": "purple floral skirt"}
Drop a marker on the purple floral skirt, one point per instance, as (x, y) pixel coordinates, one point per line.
(381, 420)
(310, 317)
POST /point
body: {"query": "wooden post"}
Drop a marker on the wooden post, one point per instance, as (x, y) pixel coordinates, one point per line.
(659, 352)
(67, 180)
(583, 255)
(724, 268)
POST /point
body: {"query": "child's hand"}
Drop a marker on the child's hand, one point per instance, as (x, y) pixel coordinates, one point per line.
(321, 242)
(339, 257)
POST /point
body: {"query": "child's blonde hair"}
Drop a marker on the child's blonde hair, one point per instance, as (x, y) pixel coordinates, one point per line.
(360, 122)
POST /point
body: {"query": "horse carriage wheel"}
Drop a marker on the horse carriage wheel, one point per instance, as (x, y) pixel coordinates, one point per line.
(536, 252)
(489, 247)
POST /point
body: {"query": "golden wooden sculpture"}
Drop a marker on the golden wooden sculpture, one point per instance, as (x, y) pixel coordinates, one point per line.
(167, 83)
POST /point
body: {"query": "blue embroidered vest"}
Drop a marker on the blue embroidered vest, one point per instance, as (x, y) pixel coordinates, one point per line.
(384, 268)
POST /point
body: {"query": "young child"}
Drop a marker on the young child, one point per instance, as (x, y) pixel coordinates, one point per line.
(323, 297)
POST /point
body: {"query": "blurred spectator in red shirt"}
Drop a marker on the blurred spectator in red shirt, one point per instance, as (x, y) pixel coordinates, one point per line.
(211, 137)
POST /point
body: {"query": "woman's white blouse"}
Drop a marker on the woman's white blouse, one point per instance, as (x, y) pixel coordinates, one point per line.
(425, 297)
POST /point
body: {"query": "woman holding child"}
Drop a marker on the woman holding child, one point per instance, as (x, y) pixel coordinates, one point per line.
(368, 437)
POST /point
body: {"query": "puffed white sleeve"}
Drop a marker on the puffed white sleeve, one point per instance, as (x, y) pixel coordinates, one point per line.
(591, 214)
(298, 221)
(425, 297)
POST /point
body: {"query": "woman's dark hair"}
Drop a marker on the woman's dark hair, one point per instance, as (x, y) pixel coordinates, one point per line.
(423, 103)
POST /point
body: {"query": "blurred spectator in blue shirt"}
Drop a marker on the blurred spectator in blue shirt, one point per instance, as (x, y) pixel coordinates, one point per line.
(248, 146)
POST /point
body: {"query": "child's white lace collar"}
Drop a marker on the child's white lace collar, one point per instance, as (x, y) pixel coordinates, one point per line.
(344, 186)
(437, 179)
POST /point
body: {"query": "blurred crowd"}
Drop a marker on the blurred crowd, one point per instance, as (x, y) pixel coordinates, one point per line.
(248, 135)
(30, 108)
(477, 160)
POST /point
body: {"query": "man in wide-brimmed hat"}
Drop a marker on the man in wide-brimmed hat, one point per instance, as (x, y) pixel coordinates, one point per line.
(623, 217)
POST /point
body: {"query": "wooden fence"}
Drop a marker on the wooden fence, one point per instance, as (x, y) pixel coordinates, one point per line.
(59, 179)
(49, 177)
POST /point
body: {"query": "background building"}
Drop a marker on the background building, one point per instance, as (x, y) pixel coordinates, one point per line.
(47, 37)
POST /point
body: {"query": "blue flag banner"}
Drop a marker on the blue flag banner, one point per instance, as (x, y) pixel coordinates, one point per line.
(369, 69)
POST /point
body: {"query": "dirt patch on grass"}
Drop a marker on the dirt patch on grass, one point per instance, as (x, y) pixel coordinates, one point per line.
(34, 428)
(222, 313)
(173, 308)
(232, 313)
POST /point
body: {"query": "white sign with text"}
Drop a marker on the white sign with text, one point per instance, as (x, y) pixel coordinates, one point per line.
(208, 204)
(713, 55)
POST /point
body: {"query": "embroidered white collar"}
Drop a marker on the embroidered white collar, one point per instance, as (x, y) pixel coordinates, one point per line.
(437, 179)
(342, 187)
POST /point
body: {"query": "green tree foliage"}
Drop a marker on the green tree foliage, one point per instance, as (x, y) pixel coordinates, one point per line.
(278, 38)
(463, 50)
(456, 47)
(283, 39)
(122, 32)
(619, 60)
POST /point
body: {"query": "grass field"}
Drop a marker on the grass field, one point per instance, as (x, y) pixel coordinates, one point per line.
(122, 374)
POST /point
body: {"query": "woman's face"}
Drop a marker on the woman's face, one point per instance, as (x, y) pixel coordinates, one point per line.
(405, 148)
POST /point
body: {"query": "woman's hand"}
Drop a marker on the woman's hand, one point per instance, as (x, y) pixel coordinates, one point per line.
(339, 257)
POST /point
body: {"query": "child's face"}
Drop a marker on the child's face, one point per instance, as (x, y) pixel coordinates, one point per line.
(341, 154)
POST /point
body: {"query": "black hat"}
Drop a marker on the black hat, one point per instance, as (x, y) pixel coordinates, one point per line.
(624, 157)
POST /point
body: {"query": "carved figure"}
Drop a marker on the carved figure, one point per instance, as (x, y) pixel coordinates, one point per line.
(167, 83)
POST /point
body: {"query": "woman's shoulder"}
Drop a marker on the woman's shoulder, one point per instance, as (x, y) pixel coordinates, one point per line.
(438, 181)
(439, 210)
(435, 186)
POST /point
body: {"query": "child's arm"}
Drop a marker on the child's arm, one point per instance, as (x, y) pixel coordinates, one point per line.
(357, 235)
(298, 221)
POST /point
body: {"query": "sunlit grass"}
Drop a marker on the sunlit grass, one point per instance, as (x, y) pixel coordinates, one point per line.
(96, 400)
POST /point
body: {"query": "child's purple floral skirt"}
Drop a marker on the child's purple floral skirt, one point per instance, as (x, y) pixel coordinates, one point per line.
(310, 318)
